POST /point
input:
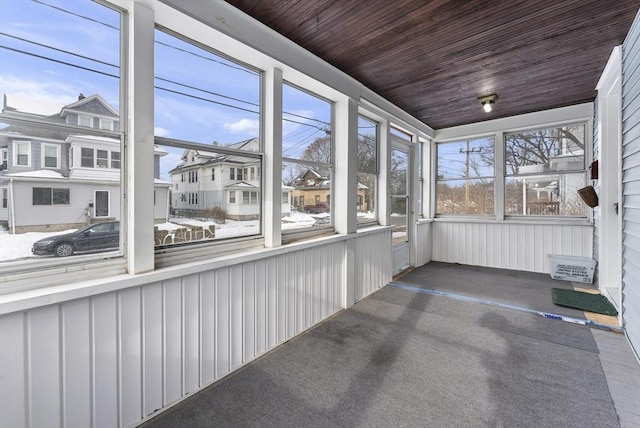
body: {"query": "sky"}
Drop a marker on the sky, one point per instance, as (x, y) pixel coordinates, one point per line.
(53, 50)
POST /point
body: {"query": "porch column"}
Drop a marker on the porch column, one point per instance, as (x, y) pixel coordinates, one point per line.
(138, 109)
(272, 166)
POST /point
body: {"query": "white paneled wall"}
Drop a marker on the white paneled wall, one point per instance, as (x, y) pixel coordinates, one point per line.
(424, 243)
(509, 245)
(112, 359)
(373, 263)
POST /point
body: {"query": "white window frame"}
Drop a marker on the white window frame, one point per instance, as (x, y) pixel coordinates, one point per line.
(252, 199)
(16, 145)
(43, 155)
(85, 117)
(559, 173)
(232, 197)
(493, 177)
(375, 171)
(581, 113)
(4, 156)
(112, 160)
(106, 160)
(106, 124)
(93, 157)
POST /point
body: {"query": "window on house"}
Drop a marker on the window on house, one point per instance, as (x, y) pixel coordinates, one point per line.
(106, 124)
(465, 177)
(3, 157)
(295, 201)
(102, 158)
(50, 196)
(249, 197)
(115, 160)
(217, 87)
(23, 153)
(193, 198)
(285, 197)
(85, 121)
(86, 157)
(5, 196)
(50, 156)
(544, 169)
(367, 170)
(307, 159)
(49, 130)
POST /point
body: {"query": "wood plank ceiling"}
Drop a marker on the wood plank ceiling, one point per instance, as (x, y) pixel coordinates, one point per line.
(434, 58)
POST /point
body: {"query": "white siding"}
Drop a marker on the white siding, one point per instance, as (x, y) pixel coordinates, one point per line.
(500, 245)
(115, 358)
(631, 184)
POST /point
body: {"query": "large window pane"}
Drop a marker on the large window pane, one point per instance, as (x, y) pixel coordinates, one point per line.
(465, 196)
(202, 96)
(367, 170)
(59, 75)
(465, 177)
(543, 150)
(546, 195)
(310, 189)
(307, 151)
(544, 169)
(208, 178)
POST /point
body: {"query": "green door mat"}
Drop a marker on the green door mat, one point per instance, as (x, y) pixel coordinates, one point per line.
(580, 300)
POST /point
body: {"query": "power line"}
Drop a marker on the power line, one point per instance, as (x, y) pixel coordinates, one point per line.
(59, 61)
(157, 87)
(76, 14)
(158, 42)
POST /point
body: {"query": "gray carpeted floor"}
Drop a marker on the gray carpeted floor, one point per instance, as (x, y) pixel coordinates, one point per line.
(401, 358)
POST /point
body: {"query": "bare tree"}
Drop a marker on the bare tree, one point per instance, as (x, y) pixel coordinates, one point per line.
(318, 151)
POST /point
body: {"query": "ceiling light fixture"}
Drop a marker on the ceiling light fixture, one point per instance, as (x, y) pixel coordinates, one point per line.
(488, 102)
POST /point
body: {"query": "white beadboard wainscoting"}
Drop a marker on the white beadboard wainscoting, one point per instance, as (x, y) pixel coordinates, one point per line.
(114, 358)
(509, 245)
(424, 242)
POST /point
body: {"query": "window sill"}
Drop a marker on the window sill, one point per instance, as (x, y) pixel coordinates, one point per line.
(22, 276)
(569, 221)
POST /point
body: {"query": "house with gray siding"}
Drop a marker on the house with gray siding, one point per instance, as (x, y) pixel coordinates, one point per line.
(54, 180)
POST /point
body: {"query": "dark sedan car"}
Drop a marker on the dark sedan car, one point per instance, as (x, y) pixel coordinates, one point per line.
(94, 237)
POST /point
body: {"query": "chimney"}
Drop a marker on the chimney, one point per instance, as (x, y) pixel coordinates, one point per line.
(81, 96)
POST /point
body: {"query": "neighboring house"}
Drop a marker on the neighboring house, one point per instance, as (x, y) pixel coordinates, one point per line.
(314, 189)
(205, 181)
(52, 180)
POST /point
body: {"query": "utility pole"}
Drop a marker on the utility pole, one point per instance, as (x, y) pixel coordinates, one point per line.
(466, 174)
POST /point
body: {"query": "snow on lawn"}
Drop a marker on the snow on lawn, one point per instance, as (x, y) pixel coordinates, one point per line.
(17, 246)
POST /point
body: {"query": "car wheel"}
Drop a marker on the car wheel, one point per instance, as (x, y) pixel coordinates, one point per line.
(63, 250)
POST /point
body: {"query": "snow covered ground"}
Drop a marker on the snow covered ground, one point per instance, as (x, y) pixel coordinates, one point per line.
(18, 246)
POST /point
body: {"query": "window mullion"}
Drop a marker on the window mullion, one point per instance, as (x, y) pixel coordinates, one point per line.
(139, 142)
(499, 163)
(272, 160)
